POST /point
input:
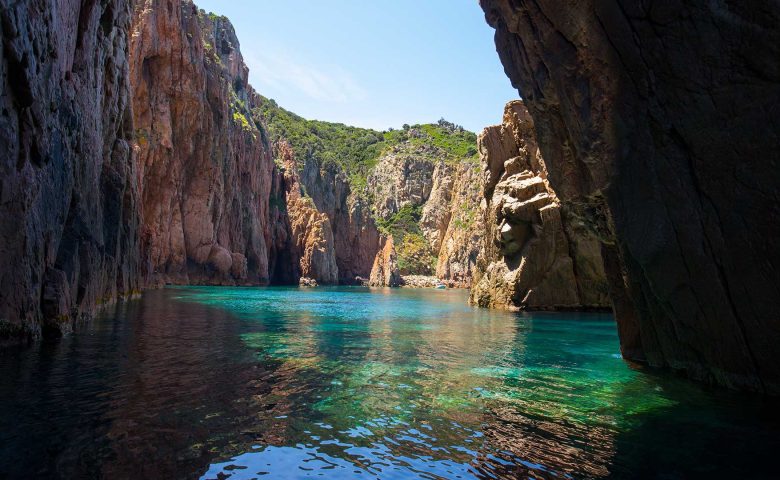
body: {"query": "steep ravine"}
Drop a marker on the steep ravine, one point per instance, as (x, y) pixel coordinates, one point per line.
(658, 126)
(139, 155)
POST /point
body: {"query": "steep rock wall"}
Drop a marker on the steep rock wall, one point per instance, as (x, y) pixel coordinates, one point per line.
(384, 272)
(312, 246)
(207, 171)
(534, 254)
(355, 236)
(446, 192)
(462, 237)
(658, 123)
(68, 192)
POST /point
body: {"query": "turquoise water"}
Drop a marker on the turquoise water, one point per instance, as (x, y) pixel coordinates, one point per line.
(346, 383)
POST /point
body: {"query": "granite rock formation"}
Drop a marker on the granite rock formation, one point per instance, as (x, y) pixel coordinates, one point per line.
(658, 123)
(68, 191)
(462, 237)
(311, 231)
(446, 192)
(356, 239)
(206, 167)
(533, 256)
(384, 272)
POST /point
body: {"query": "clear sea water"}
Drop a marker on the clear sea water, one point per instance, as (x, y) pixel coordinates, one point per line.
(342, 383)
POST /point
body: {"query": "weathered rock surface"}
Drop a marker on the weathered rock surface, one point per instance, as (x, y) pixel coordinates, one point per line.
(68, 192)
(355, 236)
(446, 194)
(462, 239)
(534, 255)
(403, 176)
(385, 270)
(311, 232)
(659, 126)
(206, 168)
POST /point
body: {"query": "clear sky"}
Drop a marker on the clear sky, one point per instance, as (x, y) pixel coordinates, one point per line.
(372, 63)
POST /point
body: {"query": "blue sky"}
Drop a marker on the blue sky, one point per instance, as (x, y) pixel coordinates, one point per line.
(372, 63)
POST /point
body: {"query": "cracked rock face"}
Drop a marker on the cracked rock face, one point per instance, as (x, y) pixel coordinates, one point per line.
(68, 191)
(461, 240)
(385, 272)
(311, 230)
(206, 167)
(658, 124)
(356, 239)
(534, 256)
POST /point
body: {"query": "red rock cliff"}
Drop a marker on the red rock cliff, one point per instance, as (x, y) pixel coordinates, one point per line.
(659, 122)
(207, 172)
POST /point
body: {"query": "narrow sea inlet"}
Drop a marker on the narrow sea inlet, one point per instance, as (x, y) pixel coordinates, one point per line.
(339, 383)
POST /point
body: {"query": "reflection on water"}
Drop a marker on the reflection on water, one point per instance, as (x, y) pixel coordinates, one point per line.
(358, 383)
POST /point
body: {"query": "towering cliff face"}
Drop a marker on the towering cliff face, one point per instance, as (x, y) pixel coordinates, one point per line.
(659, 124)
(462, 239)
(535, 255)
(356, 239)
(207, 171)
(68, 192)
(312, 246)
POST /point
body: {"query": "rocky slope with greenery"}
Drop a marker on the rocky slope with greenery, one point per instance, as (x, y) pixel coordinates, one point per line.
(400, 181)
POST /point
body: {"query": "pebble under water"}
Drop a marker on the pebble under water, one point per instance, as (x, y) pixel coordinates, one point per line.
(340, 383)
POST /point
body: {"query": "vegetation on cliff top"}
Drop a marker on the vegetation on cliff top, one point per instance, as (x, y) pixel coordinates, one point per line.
(357, 150)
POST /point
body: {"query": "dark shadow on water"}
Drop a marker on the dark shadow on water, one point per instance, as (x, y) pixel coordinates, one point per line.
(146, 398)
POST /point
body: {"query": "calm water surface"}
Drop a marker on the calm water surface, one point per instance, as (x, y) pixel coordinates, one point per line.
(344, 383)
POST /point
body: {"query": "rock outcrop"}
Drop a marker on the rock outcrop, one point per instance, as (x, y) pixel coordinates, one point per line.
(533, 256)
(385, 272)
(462, 239)
(432, 202)
(404, 176)
(311, 232)
(206, 167)
(356, 239)
(68, 191)
(658, 125)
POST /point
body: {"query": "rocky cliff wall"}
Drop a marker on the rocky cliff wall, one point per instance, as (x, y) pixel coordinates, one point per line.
(429, 202)
(535, 255)
(206, 167)
(68, 183)
(312, 246)
(658, 125)
(355, 236)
